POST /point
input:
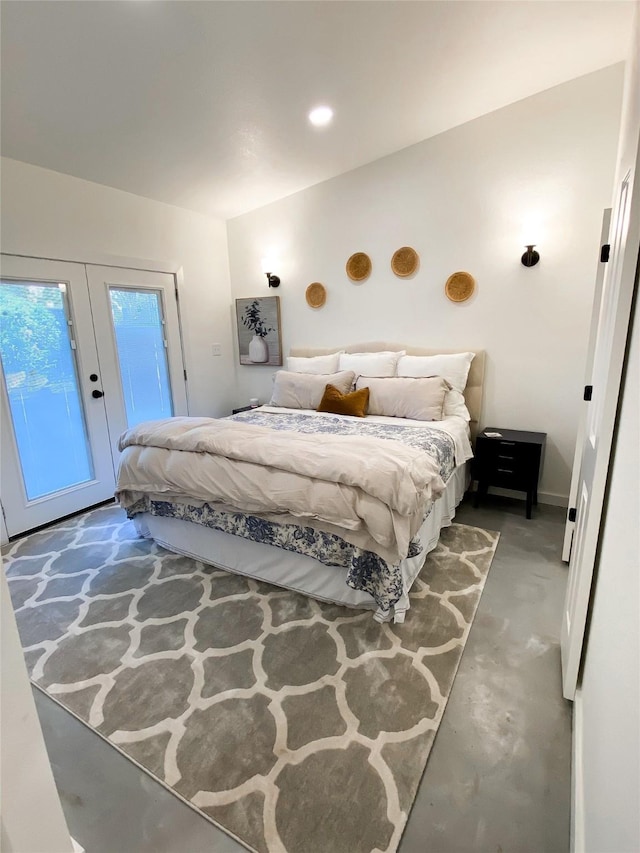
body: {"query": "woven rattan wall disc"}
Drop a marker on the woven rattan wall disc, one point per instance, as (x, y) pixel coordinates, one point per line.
(460, 286)
(358, 266)
(405, 261)
(316, 295)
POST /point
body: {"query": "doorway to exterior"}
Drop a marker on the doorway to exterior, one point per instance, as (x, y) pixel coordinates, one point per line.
(87, 351)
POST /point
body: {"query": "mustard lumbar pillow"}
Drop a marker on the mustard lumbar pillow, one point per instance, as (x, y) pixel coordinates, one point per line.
(335, 402)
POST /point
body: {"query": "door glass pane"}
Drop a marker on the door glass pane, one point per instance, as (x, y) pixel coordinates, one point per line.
(41, 380)
(140, 340)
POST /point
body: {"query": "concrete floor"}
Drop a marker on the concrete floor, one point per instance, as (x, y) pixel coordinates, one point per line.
(498, 778)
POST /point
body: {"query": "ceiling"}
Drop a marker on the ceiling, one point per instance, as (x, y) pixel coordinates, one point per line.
(204, 104)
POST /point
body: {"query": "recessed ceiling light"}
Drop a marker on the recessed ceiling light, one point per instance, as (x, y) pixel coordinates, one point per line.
(321, 116)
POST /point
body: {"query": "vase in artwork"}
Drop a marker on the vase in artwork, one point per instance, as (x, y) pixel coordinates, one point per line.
(258, 350)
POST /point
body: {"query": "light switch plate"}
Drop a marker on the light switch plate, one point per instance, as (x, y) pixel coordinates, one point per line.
(216, 349)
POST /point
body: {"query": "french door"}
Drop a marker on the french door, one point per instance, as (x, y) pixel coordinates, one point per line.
(86, 352)
(135, 319)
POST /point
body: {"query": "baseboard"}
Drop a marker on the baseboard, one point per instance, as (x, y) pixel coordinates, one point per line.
(552, 499)
(548, 498)
(577, 780)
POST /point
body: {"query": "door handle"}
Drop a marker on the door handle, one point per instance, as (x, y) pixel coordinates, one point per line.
(97, 394)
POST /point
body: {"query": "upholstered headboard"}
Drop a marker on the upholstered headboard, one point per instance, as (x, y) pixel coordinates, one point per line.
(475, 381)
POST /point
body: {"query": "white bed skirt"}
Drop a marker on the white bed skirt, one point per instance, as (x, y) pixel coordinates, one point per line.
(295, 571)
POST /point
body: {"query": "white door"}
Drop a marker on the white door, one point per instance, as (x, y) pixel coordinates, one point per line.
(611, 341)
(56, 456)
(86, 352)
(135, 316)
(593, 334)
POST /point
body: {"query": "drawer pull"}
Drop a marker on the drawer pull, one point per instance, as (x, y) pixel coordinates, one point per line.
(505, 471)
(505, 457)
(508, 443)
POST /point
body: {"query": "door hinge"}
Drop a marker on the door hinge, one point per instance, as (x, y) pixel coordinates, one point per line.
(185, 375)
(588, 393)
(572, 514)
(604, 253)
(176, 291)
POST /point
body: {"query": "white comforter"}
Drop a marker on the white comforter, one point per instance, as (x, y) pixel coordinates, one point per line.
(374, 491)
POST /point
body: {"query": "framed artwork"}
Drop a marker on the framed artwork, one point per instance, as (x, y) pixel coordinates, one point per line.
(259, 334)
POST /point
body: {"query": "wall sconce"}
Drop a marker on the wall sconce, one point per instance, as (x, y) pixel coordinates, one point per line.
(530, 257)
(267, 266)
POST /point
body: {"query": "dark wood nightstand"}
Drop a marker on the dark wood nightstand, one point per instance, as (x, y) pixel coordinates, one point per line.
(242, 409)
(510, 460)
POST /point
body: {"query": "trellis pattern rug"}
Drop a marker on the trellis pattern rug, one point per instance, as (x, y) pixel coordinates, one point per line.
(292, 724)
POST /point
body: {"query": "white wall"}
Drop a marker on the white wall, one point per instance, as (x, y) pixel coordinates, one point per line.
(541, 171)
(47, 214)
(32, 818)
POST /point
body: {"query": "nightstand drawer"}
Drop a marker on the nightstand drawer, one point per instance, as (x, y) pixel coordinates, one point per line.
(508, 478)
(510, 454)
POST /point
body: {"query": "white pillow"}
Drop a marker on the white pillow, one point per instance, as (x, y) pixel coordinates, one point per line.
(455, 404)
(454, 367)
(305, 390)
(314, 364)
(370, 363)
(420, 399)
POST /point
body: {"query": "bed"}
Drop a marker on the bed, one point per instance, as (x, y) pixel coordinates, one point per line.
(316, 552)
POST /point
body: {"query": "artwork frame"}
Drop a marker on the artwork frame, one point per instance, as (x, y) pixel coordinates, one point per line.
(259, 331)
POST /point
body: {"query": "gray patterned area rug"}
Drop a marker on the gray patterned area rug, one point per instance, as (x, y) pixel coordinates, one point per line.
(292, 724)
